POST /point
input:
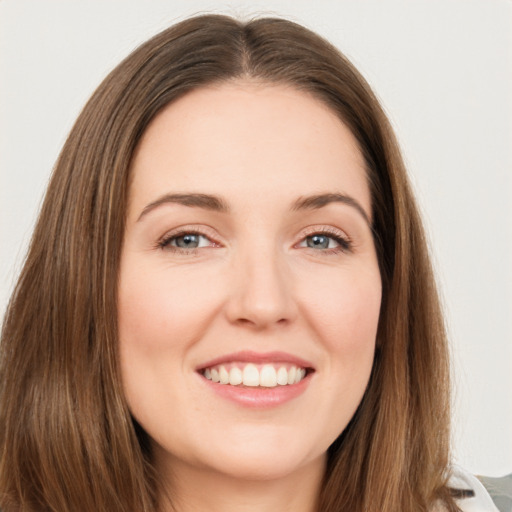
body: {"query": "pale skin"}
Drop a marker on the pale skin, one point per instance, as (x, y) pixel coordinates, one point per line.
(248, 229)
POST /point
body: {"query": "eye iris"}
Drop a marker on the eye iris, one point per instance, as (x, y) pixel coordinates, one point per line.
(318, 241)
(189, 241)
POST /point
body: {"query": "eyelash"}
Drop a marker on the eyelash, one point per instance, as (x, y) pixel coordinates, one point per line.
(344, 243)
(165, 241)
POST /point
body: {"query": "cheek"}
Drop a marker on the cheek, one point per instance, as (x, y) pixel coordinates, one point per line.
(161, 314)
(344, 307)
(163, 310)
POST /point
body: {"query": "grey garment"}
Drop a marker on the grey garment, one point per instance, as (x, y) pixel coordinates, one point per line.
(500, 490)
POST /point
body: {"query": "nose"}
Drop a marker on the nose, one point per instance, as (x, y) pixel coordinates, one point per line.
(261, 292)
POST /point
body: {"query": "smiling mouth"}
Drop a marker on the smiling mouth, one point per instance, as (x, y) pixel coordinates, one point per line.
(256, 375)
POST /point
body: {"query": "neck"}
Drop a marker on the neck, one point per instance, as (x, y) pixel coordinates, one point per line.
(197, 490)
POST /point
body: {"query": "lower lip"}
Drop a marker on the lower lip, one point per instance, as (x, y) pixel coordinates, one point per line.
(259, 397)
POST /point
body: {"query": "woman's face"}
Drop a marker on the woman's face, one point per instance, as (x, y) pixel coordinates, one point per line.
(248, 257)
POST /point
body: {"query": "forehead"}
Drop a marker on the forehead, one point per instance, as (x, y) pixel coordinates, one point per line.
(270, 141)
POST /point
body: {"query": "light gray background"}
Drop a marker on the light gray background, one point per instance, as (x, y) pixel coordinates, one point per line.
(443, 70)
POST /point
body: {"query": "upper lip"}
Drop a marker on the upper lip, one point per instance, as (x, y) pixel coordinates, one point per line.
(248, 356)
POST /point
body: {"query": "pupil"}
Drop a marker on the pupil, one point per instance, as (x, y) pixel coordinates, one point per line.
(318, 241)
(187, 241)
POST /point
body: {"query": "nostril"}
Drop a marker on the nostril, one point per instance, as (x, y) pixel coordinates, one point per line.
(244, 321)
(259, 323)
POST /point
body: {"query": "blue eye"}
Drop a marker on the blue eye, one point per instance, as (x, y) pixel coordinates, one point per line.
(320, 242)
(188, 241)
(185, 241)
(330, 243)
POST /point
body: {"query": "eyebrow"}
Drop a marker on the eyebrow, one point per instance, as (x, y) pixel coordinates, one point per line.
(205, 201)
(320, 200)
(217, 204)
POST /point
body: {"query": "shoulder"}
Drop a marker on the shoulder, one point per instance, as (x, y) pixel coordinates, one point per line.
(491, 497)
(500, 490)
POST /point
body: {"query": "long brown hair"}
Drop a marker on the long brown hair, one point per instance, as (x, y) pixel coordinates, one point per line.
(67, 440)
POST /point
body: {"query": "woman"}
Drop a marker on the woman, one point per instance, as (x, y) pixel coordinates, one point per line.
(228, 301)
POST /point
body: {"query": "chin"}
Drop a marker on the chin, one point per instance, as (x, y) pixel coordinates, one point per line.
(264, 454)
(263, 467)
(250, 454)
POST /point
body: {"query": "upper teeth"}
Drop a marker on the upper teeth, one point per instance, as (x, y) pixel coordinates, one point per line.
(266, 375)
